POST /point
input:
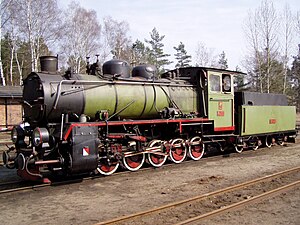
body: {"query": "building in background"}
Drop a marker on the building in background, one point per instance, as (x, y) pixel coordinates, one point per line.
(11, 109)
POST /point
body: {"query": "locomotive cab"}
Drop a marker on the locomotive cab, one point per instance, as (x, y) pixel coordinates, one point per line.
(215, 94)
(221, 100)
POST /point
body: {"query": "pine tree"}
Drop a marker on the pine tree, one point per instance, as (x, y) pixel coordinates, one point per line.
(181, 56)
(222, 63)
(157, 55)
(141, 53)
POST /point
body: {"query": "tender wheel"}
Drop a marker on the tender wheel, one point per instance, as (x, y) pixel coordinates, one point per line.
(156, 159)
(106, 167)
(221, 146)
(282, 140)
(240, 145)
(134, 162)
(270, 141)
(255, 143)
(196, 148)
(238, 148)
(178, 150)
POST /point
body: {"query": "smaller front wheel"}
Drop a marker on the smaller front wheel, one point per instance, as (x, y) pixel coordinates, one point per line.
(106, 167)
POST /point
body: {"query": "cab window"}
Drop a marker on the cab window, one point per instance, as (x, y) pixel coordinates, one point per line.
(226, 83)
(215, 83)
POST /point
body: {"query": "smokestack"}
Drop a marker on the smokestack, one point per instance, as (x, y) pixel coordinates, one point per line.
(49, 64)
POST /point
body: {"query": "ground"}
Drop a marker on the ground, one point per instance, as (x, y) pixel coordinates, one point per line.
(93, 201)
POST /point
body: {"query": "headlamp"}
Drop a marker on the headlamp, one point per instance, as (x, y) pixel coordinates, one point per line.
(40, 136)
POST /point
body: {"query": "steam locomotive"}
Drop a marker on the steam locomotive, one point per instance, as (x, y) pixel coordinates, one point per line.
(95, 122)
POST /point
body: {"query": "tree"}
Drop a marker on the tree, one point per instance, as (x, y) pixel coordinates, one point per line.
(295, 81)
(157, 55)
(141, 53)
(288, 30)
(222, 63)
(239, 81)
(181, 56)
(81, 37)
(12, 38)
(116, 39)
(38, 22)
(7, 55)
(205, 56)
(24, 61)
(27, 21)
(4, 17)
(16, 60)
(257, 74)
(261, 31)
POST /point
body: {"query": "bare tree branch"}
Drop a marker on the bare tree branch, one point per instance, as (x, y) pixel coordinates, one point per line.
(261, 30)
(205, 56)
(82, 35)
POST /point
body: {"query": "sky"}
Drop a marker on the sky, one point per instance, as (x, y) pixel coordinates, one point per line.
(216, 23)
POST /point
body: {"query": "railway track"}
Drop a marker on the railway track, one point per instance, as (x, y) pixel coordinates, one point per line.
(208, 205)
(17, 186)
(9, 187)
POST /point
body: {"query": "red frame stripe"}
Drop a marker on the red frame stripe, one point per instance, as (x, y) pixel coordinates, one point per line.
(133, 122)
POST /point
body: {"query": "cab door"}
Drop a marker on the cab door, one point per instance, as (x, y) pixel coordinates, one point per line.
(221, 100)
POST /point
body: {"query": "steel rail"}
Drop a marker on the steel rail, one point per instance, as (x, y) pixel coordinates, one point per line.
(31, 187)
(24, 188)
(199, 197)
(242, 203)
(9, 183)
